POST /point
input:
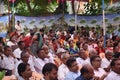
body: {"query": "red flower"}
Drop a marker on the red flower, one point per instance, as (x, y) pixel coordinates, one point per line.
(49, 1)
(12, 1)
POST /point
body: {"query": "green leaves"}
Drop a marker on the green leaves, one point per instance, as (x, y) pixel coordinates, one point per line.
(94, 7)
(83, 21)
(93, 21)
(51, 20)
(2, 73)
(32, 22)
(72, 20)
(32, 7)
(91, 8)
(116, 19)
(42, 21)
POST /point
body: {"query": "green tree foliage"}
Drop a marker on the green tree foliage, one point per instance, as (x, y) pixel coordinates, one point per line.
(72, 20)
(83, 21)
(94, 7)
(33, 7)
(116, 19)
(93, 21)
(2, 74)
(62, 7)
(91, 8)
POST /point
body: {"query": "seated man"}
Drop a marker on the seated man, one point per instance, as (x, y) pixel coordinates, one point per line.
(105, 63)
(115, 70)
(73, 69)
(63, 69)
(50, 71)
(7, 61)
(98, 71)
(24, 71)
(41, 60)
(87, 73)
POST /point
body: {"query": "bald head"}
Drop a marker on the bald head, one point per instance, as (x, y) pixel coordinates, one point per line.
(65, 57)
(45, 48)
(87, 71)
(82, 54)
(25, 57)
(109, 54)
(92, 52)
(86, 68)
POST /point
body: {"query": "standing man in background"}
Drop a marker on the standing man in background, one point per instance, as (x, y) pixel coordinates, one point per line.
(18, 27)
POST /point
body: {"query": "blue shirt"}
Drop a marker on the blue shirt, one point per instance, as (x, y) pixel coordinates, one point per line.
(80, 78)
(72, 75)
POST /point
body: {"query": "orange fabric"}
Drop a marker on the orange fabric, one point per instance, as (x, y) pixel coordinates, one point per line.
(61, 41)
(75, 40)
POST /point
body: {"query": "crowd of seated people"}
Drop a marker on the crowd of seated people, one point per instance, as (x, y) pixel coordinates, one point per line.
(60, 56)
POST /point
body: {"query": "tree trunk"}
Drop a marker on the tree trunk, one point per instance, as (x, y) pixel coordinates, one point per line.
(29, 7)
(73, 8)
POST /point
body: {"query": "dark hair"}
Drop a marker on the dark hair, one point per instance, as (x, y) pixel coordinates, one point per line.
(113, 62)
(53, 39)
(18, 21)
(11, 37)
(1, 40)
(84, 43)
(22, 54)
(39, 50)
(20, 42)
(32, 33)
(49, 67)
(84, 70)
(50, 31)
(93, 58)
(78, 44)
(21, 68)
(117, 55)
(6, 47)
(70, 61)
(41, 30)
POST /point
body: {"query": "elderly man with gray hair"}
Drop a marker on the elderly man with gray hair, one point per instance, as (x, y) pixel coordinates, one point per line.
(63, 69)
(105, 64)
(92, 52)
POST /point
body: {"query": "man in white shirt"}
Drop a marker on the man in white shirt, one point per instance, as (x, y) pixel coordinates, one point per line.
(98, 71)
(92, 52)
(115, 73)
(12, 42)
(42, 59)
(47, 51)
(18, 27)
(24, 71)
(50, 71)
(73, 69)
(17, 52)
(25, 58)
(82, 57)
(7, 61)
(105, 64)
(63, 69)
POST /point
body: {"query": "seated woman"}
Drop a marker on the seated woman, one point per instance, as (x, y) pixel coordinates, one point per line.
(73, 49)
